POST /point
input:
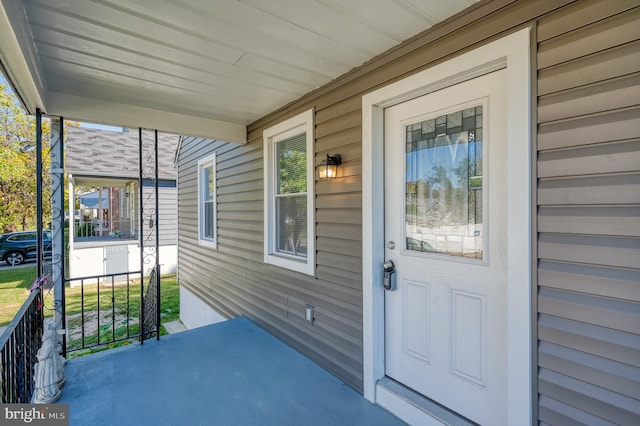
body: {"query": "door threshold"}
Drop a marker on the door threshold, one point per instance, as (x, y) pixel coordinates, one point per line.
(414, 408)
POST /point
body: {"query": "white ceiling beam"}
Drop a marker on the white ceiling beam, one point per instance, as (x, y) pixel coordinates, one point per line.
(93, 110)
(18, 57)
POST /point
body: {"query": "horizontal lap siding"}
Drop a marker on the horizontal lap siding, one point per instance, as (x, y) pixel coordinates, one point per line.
(589, 116)
(234, 280)
(167, 216)
(589, 214)
(338, 116)
(335, 339)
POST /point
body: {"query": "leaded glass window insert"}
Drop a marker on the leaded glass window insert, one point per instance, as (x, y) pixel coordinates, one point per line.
(444, 184)
(291, 196)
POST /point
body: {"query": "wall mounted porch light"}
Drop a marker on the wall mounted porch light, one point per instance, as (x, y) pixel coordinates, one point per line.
(328, 168)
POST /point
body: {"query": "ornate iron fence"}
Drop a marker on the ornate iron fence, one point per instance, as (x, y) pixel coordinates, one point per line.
(149, 230)
(110, 308)
(20, 343)
(150, 307)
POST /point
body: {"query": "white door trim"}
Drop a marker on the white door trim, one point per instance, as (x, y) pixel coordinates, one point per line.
(513, 53)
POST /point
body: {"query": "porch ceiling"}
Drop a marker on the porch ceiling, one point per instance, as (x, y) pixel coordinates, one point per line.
(194, 66)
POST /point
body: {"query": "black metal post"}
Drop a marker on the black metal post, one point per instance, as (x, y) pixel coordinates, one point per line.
(39, 239)
(141, 213)
(58, 258)
(63, 262)
(157, 218)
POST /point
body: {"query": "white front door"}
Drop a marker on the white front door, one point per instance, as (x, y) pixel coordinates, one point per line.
(445, 231)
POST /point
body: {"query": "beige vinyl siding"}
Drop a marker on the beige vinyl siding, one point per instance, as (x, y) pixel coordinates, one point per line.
(587, 217)
(234, 280)
(167, 216)
(589, 214)
(339, 203)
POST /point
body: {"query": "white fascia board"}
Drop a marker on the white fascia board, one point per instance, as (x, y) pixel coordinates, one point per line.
(17, 55)
(73, 107)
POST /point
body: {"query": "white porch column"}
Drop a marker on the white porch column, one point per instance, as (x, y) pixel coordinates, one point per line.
(57, 216)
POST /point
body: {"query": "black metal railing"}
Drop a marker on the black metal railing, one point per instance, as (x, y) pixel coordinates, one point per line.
(20, 343)
(107, 309)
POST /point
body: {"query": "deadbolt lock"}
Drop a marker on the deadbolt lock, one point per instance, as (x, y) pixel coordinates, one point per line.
(389, 269)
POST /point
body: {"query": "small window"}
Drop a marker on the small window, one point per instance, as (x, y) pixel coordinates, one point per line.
(289, 199)
(24, 237)
(207, 201)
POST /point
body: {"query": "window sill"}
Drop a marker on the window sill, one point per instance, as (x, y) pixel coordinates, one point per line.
(304, 266)
(208, 243)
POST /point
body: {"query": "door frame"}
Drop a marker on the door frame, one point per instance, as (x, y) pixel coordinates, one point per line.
(513, 53)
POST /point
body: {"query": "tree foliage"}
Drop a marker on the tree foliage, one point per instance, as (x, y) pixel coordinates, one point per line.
(18, 165)
(292, 172)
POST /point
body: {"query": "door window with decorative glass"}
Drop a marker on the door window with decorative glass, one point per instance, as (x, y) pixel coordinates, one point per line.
(444, 184)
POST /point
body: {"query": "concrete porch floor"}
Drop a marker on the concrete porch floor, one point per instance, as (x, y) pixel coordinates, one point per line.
(230, 373)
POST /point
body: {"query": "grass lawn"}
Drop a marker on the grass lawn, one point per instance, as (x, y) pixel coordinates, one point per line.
(14, 284)
(100, 308)
(169, 297)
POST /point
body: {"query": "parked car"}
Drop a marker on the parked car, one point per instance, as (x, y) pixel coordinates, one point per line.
(417, 245)
(16, 247)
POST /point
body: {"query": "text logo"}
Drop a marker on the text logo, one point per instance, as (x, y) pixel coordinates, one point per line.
(35, 414)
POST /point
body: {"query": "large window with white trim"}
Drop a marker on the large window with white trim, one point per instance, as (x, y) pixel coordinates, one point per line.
(207, 224)
(289, 198)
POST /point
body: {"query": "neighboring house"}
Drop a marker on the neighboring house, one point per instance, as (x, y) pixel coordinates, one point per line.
(103, 172)
(506, 155)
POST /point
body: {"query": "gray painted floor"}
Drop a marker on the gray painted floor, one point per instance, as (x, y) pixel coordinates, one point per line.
(230, 373)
